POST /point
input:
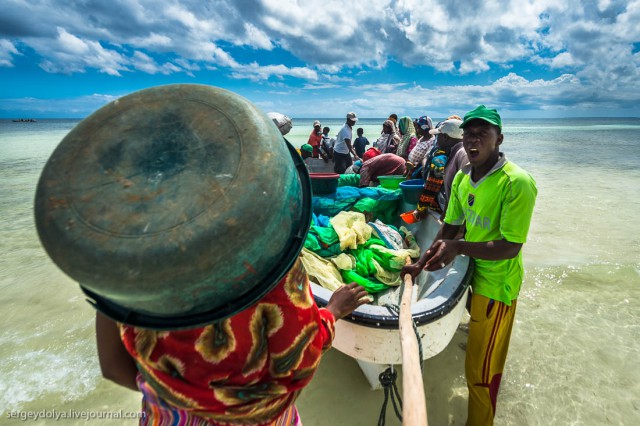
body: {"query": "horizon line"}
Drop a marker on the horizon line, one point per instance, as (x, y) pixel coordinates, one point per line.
(360, 118)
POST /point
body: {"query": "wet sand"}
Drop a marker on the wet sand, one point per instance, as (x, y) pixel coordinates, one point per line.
(339, 394)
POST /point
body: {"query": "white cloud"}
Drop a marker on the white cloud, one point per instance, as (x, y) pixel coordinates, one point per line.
(145, 63)
(562, 60)
(256, 72)
(328, 43)
(383, 87)
(255, 37)
(68, 54)
(320, 86)
(7, 52)
(189, 20)
(152, 40)
(71, 44)
(509, 93)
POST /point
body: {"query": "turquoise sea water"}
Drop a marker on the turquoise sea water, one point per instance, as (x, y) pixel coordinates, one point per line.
(575, 345)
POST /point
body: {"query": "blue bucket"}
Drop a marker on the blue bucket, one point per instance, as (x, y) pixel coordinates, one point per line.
(411, 190)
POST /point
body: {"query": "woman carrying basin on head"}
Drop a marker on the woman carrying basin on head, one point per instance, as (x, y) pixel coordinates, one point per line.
(203, 305)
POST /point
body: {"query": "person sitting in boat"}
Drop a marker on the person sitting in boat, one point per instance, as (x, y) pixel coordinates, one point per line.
(424, 144)
(408, 137)
(494, 199)
(354, 168)
(443, 162)
(388, 141)
(381, 165)
(315, 138)
(457, 159)
(306, 151)
(326, 145)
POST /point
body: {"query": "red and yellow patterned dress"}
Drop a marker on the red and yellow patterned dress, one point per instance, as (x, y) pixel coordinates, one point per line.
(247, 369)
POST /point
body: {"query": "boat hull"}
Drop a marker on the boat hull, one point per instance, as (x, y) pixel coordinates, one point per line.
(382, 346)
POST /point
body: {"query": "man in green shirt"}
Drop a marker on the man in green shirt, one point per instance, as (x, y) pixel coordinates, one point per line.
(493, 198)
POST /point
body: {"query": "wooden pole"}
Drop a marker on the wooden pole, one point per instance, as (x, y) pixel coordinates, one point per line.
(414, 405)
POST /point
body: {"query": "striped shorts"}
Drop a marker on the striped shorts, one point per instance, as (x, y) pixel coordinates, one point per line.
(487, 346)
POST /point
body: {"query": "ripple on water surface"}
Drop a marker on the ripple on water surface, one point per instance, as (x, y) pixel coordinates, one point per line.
(574, 352)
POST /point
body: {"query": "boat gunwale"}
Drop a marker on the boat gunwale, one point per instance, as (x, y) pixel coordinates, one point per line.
(421, 318)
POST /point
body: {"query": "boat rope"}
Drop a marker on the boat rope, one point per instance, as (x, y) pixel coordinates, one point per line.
(388, 381)
(388, 377)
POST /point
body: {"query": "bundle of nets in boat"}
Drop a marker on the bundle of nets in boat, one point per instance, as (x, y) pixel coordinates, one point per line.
(345, 248)
(374, 202)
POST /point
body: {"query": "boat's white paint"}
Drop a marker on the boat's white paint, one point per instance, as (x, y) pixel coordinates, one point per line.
(382, 346)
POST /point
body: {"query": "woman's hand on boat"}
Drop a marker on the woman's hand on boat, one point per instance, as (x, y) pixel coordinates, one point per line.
(347, 299)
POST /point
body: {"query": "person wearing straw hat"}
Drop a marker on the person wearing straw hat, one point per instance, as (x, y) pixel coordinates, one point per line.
(188, 250)
(494, 199)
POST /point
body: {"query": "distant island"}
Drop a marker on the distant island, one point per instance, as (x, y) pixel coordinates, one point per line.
(24, 120)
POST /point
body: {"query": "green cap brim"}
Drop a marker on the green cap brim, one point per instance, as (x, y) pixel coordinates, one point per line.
(481, 112)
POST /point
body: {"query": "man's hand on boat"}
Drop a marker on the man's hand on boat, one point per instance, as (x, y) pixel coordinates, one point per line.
(439, 255)
(347, 299)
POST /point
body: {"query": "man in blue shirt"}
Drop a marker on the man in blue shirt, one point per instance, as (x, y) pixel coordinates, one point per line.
(360, 143)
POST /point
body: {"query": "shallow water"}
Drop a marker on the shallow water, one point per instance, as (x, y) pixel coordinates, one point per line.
(574, 350)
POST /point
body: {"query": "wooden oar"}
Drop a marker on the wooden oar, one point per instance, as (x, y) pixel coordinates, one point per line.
(414, 405)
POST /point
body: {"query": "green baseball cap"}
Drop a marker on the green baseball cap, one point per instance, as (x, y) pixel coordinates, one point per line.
(306, 147)
(483, 113)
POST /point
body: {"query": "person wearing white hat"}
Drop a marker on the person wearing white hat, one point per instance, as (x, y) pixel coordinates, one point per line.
(439, 169)
(449, 138)
(343, 149)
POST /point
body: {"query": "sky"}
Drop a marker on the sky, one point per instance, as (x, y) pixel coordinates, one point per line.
(323, 58)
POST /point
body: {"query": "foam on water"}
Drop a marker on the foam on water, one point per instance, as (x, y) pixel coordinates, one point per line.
(32, 375)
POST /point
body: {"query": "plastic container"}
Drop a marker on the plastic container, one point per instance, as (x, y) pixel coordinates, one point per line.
(411, 190)
(391, 182)
(408, 217)
(324, 183)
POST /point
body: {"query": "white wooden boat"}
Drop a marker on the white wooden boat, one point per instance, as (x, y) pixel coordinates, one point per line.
(370, 334)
